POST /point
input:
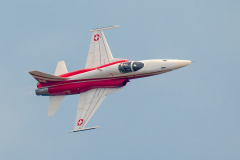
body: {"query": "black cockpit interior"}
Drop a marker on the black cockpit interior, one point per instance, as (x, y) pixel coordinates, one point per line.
(130, 67)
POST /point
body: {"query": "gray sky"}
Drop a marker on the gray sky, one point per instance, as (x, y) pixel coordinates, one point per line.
(190, 113)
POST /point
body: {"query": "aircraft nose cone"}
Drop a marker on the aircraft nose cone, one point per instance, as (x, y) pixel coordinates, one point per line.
(181, 63)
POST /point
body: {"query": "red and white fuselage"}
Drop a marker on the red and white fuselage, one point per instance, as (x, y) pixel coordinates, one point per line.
(108, 76)
(103, 75)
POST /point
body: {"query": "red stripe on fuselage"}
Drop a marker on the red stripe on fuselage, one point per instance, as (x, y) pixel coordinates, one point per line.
(89, 69)
(79, 72)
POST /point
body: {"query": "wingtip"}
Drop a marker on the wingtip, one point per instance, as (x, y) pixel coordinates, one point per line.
(85, 129)
(104, 28)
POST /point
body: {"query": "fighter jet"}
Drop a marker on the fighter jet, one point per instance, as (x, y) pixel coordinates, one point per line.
(102, 76)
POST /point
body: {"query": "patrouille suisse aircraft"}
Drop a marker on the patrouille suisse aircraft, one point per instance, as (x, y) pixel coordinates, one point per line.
(103, 75)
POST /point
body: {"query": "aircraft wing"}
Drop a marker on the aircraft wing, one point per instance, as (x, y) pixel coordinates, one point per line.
(89, 102)
(99, 51)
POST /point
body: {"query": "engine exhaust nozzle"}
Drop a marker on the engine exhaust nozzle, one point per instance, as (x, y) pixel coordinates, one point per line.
(42, 91)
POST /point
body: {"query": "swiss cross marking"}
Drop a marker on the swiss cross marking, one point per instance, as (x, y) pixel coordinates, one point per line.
(80, 122)
(96, 37)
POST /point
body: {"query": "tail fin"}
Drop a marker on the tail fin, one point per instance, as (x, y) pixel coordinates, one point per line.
(54, 102)
(61, 68)
(48, 79)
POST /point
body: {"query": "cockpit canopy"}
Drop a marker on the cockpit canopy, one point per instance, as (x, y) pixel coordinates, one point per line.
(127, 67)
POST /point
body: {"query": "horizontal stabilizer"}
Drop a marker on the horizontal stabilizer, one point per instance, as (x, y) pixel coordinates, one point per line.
(45, 78)
(54, 102)
(85, 129)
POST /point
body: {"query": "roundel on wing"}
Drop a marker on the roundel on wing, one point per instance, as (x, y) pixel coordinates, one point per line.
(96, 37)
(80, 122)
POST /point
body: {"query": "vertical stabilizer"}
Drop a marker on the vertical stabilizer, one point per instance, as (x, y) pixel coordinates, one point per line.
(61, 68)
(54, 102)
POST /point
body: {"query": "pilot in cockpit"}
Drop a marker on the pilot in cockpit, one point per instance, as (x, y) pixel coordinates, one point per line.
(130, 67)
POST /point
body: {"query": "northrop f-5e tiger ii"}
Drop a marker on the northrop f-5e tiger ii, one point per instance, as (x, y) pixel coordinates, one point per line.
(103, 75)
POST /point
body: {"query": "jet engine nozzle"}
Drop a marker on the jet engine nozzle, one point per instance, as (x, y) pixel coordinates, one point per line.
(42, 91)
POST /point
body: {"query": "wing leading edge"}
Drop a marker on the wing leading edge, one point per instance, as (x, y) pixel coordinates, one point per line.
(89, 102)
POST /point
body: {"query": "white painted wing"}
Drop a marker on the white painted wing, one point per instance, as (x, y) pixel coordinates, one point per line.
(99, 51)
(89, 102)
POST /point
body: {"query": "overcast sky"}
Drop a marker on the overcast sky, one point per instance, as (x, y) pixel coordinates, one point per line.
(190, 113)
